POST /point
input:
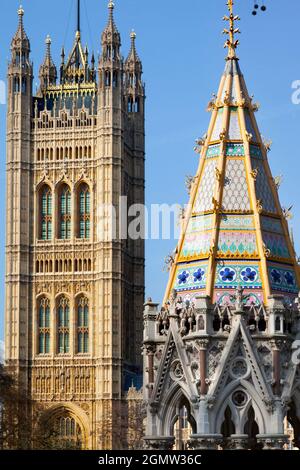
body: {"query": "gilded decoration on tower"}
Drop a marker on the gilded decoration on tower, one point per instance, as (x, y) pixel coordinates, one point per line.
(220, 349)
(234, 231)
(231, 42)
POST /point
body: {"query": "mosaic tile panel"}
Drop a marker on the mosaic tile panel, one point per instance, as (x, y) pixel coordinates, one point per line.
(271, 225)
(213, 151)
(196, 244)
(235, 150)
(227, 298)
(218, 126)
(276, 244)
(203, 200)
(234, 222)
(197, 240)
(200, 223)
(234, 131)
(283, 279)
(249, 126)
(232, 275)
(235, 196)
(190, 296)
(237, 243)
(190, 276)
(263, 190)
(255, 152)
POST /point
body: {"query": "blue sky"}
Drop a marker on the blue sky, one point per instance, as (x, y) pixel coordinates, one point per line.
(181, 46)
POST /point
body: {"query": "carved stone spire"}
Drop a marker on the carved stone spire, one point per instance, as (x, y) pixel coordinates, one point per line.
(20, 39)
(111, 39)
(48, 72)
(20, 67)
(133, 57)
(133, 73)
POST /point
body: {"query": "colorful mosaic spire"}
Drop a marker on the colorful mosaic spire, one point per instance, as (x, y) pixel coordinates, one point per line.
(235, 233)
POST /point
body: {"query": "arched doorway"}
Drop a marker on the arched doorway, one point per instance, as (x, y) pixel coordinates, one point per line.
(227, 427)
(63, 430)
(252, 430)
(183, 424)
(66, 433)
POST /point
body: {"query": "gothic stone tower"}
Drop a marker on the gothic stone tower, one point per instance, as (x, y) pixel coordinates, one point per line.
(221, 346)
(74, 293)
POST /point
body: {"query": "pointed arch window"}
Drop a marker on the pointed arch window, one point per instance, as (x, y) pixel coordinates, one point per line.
(67, 433)
(83, 325)
(63, 323)
(46, 213)
(44, 325)
(65, 213)
(84, 211)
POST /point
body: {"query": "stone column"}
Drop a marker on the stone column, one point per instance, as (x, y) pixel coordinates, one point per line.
(272, 441)
(202, 344)
(276, 365)
(205, 441)
(237, 442)
(150, 369)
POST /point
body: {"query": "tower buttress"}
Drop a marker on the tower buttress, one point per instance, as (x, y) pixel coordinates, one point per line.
(134, 103)
(18, 213)
(110, 147)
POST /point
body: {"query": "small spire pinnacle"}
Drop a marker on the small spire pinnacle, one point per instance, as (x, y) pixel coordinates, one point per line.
(48, 44)
(20, 33)
(231, 42)
(111, 7)
(48, 59)
(133, 56)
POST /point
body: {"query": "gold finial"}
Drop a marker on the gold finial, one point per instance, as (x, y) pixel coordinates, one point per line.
(48, 40)
(231, 42)
(133, 35)
(111, 5)
(21, 11)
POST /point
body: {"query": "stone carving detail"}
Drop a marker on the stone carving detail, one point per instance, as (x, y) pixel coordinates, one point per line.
(239, 368)
(176, 371)
(43, 287)
(214, 355)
